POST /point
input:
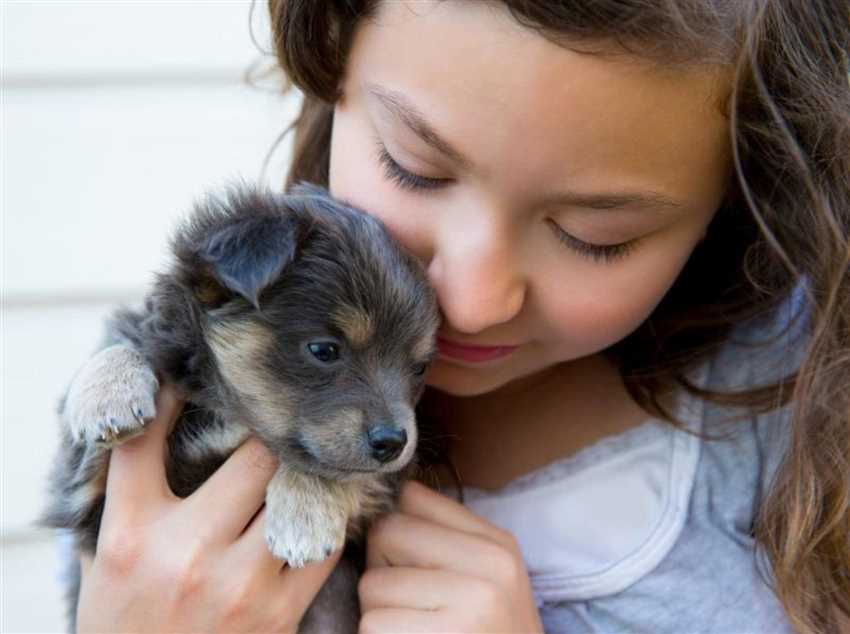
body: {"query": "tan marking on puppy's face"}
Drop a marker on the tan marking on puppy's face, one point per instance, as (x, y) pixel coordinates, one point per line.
(426, 345)
(239, 348)
(209, 292)
(358, 326)
(338, 441)
(423, 348)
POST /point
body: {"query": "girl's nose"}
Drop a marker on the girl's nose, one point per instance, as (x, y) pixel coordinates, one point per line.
(478, 277)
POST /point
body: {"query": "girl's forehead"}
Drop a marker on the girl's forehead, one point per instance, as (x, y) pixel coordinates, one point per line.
(516, 103)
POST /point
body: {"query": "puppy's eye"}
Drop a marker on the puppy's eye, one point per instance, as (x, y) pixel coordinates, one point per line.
(324, 351)
(419, 369)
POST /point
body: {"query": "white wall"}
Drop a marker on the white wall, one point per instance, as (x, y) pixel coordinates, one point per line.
(115, 116)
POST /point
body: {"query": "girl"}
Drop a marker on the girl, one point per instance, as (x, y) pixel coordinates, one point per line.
(635, 215)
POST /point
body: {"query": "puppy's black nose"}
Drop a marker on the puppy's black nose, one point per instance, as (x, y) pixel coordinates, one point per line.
(386, 441)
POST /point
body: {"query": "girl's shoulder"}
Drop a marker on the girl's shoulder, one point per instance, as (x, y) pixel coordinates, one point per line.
(764, 349)
(762, 352)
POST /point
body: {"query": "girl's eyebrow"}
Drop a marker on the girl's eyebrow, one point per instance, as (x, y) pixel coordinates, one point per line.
(406, 112)
(401, 107)
(645, 201)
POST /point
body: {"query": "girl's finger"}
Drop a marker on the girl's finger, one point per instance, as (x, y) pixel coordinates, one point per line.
(403, 540)
(136, 481)
(418, 500)
(301, 585)
(297, 585)
(251, 547)
(236, 491)
(395, 620)
(404, 587)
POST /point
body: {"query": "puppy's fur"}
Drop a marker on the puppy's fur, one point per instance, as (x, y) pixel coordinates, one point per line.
(291, 317)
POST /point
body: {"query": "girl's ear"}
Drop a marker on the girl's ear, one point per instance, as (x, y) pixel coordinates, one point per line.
(245, 257)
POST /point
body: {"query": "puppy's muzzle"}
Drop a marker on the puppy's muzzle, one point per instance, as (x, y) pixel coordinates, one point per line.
(386, 442)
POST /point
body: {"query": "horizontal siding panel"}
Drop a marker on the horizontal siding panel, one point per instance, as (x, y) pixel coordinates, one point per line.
(31, 591)
(44, 39)
(97, 178)
(44, 347)
(116, 116)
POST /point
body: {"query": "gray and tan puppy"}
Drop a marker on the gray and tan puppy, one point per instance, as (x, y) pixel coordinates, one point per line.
(291, 317)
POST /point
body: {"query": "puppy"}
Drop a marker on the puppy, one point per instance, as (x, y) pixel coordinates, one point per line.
(290, 317)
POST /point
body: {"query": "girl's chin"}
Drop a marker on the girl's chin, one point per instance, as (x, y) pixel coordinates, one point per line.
(457, 380)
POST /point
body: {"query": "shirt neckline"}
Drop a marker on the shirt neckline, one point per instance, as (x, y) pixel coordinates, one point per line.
(574, 463)
(540, 506)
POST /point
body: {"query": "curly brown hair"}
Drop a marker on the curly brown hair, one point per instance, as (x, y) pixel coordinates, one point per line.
(785, 219)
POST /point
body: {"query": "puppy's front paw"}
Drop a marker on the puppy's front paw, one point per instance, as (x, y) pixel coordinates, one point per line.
(305, 522)
(111, 397)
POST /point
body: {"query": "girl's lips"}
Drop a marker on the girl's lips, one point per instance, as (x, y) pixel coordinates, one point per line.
(472, 354)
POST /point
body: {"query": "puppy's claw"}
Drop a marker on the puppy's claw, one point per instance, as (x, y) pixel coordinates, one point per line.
(144, 409)
(111, 397)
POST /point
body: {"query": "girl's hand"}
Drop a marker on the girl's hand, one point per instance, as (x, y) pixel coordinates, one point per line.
(199, 564)
(434, 566)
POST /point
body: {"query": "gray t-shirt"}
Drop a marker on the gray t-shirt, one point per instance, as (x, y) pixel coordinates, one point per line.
(650, 530)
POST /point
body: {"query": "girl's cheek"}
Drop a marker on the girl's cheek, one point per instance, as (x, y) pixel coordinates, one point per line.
(357, 177)
(350, 177)
(607, 303)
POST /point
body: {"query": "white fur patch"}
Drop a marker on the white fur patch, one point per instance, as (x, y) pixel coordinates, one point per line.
(111, 397)
(306, 517)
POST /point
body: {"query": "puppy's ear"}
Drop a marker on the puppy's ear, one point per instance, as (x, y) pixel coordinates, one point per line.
(246, 256)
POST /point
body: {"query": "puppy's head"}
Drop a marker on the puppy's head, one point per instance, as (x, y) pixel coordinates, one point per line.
(319, 327)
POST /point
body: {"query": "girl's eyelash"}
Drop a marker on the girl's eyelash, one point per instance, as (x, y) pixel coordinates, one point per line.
(601, 253)
(403, 178)
(414, 182)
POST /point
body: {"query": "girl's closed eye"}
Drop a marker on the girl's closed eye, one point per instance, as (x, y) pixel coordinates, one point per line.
(402, 177)
(415, 182)
(599, 252)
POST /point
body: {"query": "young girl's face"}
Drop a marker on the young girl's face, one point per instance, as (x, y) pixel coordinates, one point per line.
(553, 196)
